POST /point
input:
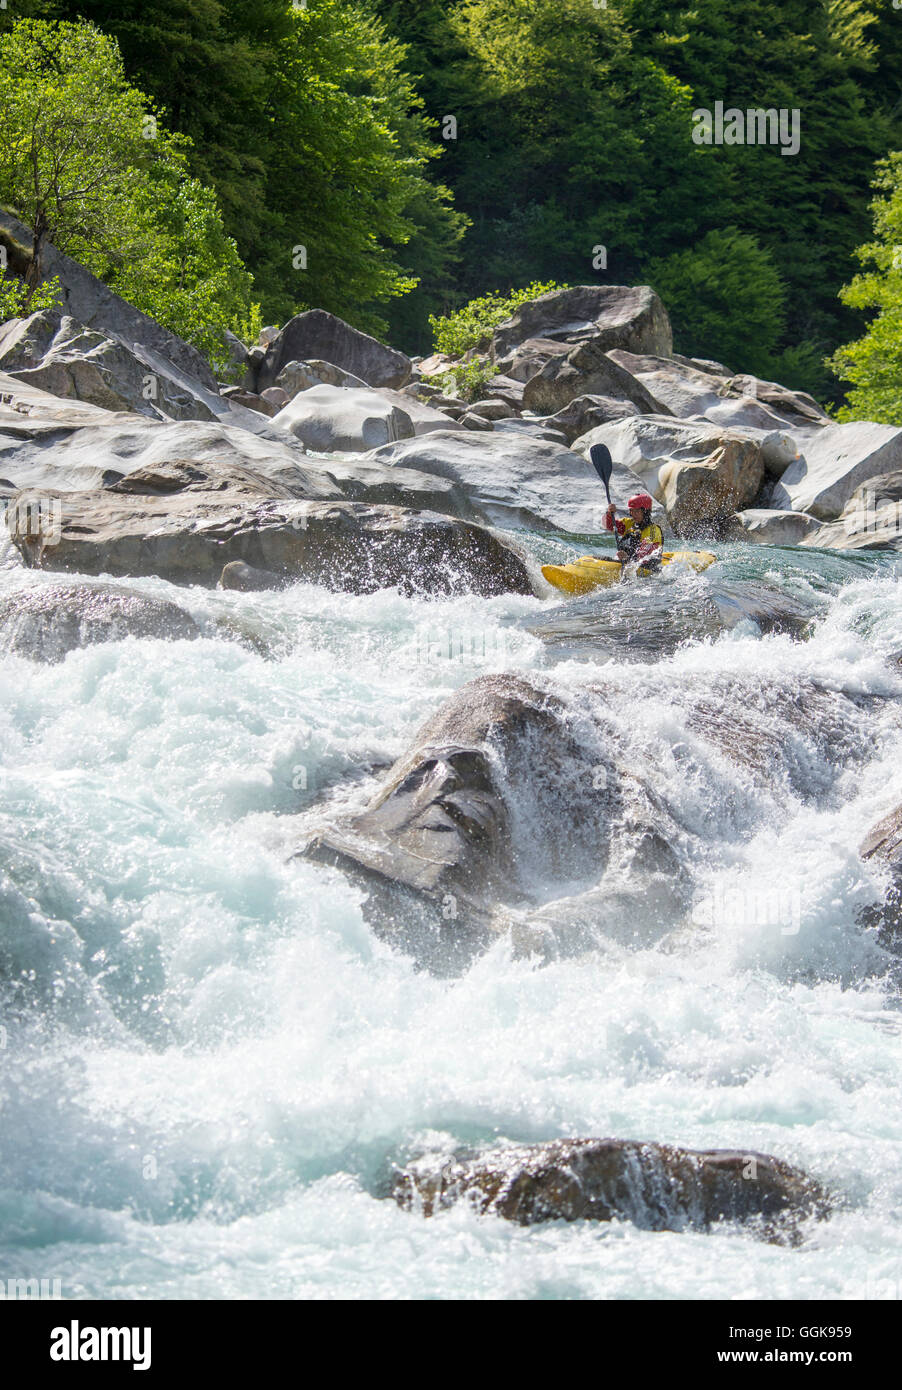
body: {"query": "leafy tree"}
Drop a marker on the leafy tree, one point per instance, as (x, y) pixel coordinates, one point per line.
(470, 326)
(14, 293)
(809, 210)
(726, 300)
(873, 364)
(346, 171)
(312, 134)
(87, 165)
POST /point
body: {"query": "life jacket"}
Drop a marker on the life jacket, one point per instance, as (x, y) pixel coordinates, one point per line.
(631, 537)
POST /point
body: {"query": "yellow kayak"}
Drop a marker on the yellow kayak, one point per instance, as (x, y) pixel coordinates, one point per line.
(590, 572)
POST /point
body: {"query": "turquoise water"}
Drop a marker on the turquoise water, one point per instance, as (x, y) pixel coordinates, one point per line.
(210, 1062)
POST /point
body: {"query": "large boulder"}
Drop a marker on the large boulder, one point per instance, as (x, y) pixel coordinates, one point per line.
(506, 388)
(330, 419)
(48, 622)
(798, 407)
(514, 479)
(834, 465)
(585, 413)
(527, 359)
(701, 498)
(363, 478)
(186, 525)
(46, 442)
(327, 419)
(492, 409)
(90, 302)
(316, 334)
(54, 353)
(870, 520)
(533, 429)
(300, 376)
(656, 448)
(684, 389)
(615, 316)
(586, 370)
(766, 527)
(692, 388)
(745, 411)
(657, 1187)
(68, 446)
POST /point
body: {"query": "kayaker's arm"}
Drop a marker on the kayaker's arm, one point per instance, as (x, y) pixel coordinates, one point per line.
(611, 522)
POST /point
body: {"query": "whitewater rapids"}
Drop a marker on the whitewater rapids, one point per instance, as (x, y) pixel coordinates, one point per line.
(209, 1061)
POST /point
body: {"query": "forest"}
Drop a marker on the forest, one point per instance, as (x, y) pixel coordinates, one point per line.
(391, 160)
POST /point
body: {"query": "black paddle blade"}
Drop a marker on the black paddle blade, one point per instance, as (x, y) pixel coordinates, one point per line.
(600, 458)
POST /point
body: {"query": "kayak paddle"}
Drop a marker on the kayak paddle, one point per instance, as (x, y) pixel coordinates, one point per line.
(600, 458)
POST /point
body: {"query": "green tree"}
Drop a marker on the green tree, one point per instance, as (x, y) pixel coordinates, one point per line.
(87, 164)
(726, 300)
(873, 364)
(310, 131)
(346, 174)
(810, 209)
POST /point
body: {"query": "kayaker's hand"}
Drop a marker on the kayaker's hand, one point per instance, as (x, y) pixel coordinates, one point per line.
(611, 510)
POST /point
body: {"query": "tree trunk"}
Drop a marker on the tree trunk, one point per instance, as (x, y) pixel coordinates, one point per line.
(34, 273)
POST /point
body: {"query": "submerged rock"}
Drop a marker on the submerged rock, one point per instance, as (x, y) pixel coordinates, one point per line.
(521, 808)
(655, 1186)
(47, 623)
(498, 798)
(884, 845)
(643, 622)
(238, 575)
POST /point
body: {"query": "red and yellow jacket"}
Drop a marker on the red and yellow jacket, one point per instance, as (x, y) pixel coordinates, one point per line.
(638, 543)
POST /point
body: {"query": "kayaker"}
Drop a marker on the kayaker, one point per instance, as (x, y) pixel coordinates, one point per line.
(640, 541)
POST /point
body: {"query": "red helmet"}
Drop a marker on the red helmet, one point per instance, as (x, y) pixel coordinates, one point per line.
(641, 499)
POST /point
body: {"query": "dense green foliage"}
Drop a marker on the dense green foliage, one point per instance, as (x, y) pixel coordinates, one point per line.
(86, 163)
(874, 363)
(575, 131)
(15, 298)
(471, 325)
(305, 124)
(726, 299)
(468, 380)
(332, 131)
